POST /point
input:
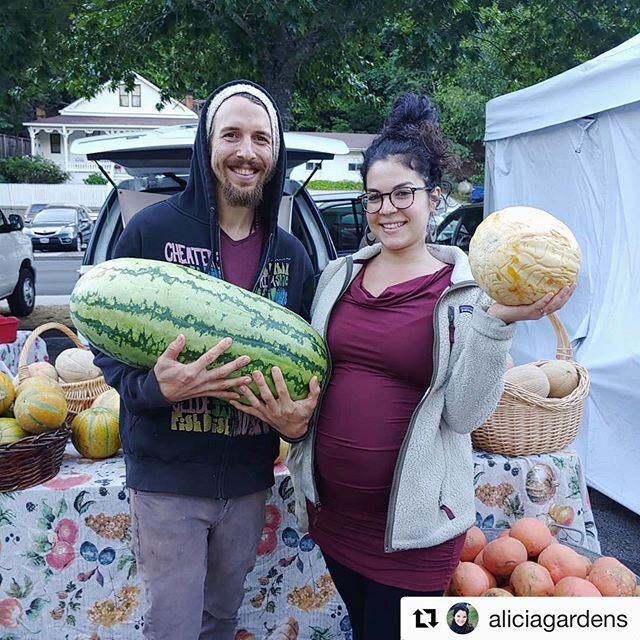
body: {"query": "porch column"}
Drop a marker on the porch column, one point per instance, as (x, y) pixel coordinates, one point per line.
(32, 137)
(65, 147)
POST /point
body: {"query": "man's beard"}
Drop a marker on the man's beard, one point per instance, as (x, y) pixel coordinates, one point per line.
(242, 197)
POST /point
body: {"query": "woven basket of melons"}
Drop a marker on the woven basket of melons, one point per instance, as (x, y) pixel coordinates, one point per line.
(81, 381)
(33, 431)
(541, 406)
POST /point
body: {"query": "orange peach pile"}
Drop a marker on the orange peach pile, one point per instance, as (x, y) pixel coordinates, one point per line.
(527, 560)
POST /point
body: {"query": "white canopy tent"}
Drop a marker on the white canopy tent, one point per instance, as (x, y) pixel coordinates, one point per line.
(571, 145)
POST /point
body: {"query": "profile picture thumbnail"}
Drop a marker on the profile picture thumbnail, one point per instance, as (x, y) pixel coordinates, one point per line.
(462, 618)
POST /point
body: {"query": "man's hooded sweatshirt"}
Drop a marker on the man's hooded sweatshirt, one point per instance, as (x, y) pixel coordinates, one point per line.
(203, 447)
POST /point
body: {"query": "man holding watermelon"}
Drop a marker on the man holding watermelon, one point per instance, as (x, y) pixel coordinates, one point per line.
(198, 463)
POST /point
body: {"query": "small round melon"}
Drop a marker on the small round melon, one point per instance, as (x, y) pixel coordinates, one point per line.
(37, 382)
(94, 433)
(563, 377)
(109, 399)
(43, 369)
(39, 410)
(76, 365)
(11, 431)
(530, 378)
(7, 392)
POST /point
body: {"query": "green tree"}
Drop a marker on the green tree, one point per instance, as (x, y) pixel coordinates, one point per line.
(30, 32)
(193, 45)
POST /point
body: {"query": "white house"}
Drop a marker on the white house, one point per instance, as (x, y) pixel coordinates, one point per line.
(345, 167)
(110, 111)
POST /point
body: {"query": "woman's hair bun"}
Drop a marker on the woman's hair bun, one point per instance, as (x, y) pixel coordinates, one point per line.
(410, 113)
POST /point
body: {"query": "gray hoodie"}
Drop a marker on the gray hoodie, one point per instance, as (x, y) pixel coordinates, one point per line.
(432, 493)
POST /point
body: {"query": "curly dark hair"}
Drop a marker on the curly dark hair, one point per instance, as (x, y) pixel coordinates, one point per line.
(412, 133)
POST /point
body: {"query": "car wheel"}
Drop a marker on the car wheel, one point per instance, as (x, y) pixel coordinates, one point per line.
(23, 299)
(77, 245)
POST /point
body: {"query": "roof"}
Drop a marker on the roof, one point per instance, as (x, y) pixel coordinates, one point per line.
(355, 141)
(610, 80)
(110, 121)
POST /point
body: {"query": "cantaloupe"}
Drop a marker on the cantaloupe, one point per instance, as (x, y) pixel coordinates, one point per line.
(563, 377)
(39, 410)
(520, 254)
(43, 369)
(95, 434)
(76, 365)
(530, 378)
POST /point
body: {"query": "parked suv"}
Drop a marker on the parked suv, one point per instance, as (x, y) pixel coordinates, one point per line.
(158, 162)
(17, 273)
(67, 227)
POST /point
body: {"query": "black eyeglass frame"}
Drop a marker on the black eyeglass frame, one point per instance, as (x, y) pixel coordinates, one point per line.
(364, 197)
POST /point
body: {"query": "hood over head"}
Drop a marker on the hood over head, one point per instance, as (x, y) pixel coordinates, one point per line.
(199, 196)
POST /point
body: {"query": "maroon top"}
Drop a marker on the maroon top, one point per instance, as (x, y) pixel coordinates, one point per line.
(240, 258)
(382, 355)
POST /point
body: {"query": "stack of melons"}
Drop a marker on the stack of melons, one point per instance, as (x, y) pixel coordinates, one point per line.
(527, 560)
(549, 379)
(35, 405)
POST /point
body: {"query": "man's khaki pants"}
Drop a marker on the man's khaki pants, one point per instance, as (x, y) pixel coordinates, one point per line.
(193, 555)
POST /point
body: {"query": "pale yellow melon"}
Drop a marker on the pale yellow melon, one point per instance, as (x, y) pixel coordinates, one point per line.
(43, 369)
(563, 377)
(530, 378)
(519, 254)
(76, 365)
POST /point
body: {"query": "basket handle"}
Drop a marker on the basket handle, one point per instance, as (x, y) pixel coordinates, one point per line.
(563, 343)
(23, 368)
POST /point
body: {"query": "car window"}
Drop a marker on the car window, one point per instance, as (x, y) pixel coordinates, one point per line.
(55, 216)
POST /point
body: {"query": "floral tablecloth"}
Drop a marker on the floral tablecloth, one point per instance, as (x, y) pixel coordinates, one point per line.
(67, 572)
(549, 486)
(10, 353)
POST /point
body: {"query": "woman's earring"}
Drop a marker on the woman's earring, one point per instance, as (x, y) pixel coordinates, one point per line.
(432, 228)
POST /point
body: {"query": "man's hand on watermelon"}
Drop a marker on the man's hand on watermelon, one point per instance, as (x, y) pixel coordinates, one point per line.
(543, 307)
(288, 417)
(179, 381)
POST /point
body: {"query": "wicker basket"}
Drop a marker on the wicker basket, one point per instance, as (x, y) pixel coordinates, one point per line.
(79, 395)
(525, 423)
(32, 460)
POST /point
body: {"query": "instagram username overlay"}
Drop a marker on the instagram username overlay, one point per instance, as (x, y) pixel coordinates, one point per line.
(557, 618)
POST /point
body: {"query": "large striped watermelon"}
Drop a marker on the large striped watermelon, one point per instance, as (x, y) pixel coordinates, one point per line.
(131, 309)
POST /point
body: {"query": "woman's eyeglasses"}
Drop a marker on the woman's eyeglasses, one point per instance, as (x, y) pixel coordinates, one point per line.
(400, 198)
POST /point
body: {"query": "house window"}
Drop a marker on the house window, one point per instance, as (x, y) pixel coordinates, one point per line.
(355, 166)
(310, 166)
(55, 141)
(124, 96)
(133, 98)
(136, 96)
